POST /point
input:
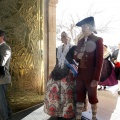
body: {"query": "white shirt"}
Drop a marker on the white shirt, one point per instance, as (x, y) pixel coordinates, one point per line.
(5, 55)
(2, 43)
(86, 39)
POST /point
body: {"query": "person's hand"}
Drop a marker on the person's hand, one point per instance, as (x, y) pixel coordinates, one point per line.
(79, 56)
(115, 61)
(2, 76)
(94, 83)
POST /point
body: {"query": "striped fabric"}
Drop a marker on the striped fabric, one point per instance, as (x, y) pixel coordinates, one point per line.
(73, 67)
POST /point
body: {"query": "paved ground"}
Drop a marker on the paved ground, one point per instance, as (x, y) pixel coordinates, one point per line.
(108, 108)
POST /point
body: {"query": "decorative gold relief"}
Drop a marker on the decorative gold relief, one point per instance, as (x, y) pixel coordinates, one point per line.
(23, 22)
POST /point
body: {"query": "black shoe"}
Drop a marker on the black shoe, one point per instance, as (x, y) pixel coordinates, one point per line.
(118, 92)
(100, 88)
(104, 87)
(59, 118)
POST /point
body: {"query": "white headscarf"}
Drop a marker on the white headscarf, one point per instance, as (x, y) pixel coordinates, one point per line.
(61, 54)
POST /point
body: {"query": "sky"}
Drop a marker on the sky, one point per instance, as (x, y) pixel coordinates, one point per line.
(108, 10)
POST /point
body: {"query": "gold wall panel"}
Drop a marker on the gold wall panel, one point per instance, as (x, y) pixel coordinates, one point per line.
(23, 22)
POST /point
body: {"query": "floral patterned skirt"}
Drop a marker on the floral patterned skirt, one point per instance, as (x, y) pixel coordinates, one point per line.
(59, 97)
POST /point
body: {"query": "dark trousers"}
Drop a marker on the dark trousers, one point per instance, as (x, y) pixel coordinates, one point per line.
(83, 87)
(4, 108)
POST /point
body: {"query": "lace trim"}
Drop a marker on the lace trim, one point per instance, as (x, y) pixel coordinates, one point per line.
(61, 54)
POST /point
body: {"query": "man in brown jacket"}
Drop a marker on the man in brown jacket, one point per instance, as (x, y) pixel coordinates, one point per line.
(89, 54)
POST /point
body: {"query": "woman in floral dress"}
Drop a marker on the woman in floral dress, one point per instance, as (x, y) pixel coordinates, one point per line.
(59, 94)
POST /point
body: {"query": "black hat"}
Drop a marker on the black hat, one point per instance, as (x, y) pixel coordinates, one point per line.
(88, 20)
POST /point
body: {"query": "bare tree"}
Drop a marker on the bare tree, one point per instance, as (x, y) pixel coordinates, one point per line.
(75, 32)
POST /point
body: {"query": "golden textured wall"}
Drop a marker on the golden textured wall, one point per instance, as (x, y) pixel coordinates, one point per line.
(23, 22)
